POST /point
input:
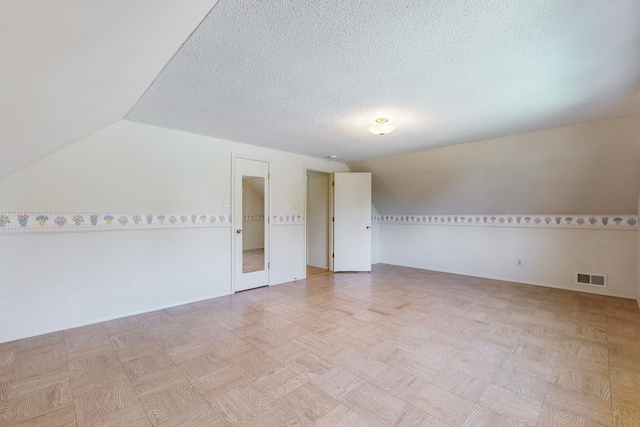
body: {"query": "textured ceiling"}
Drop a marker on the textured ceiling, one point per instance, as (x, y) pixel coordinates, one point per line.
(309, 77)
(69, 68)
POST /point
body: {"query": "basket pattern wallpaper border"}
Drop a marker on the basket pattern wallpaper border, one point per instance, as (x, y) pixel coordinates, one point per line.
(620, 222)
(287, 219)
(95, 220)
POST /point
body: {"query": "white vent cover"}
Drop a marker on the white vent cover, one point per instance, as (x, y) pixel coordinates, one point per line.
(591, 279)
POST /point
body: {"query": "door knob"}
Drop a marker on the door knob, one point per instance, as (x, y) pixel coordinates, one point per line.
(238, 231)
(368, 227)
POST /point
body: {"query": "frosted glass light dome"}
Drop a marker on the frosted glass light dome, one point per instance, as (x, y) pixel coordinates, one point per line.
(381, 127)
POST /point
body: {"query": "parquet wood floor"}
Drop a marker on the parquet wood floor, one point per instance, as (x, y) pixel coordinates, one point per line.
(316, 271)
(397, 347)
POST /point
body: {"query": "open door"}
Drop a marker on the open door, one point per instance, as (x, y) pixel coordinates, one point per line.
(352, 221)
(251, 228)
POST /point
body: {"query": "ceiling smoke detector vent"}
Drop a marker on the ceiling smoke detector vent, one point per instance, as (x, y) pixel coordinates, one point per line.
(599, 280)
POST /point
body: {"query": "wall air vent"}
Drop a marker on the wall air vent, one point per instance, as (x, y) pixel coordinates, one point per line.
(591, 279)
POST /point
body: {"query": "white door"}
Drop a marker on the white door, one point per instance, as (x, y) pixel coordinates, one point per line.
(352, 221)
(250, 224)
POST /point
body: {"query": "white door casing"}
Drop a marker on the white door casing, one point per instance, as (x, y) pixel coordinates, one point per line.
(352, 221)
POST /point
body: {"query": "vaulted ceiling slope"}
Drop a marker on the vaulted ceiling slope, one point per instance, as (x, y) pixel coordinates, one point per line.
(309, 77)
(590, 168)
(72, 67)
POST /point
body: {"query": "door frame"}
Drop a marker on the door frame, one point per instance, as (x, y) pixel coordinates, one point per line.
(306, 202)
(267, 215)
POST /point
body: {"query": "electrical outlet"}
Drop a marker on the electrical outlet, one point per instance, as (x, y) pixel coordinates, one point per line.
(519, 262)
(225, 203)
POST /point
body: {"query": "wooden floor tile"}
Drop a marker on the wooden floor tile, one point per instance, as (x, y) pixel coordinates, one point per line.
(444, 405)
(272, 417)
(363, 366)
(219, 382)
(591, 385)
(588, 407)
(40, 363)
(131, 339)
(147, 364)
(625, 396)
(460, 383)
(338, 383)
(255, 364)
(625, 417)
(521, 382)
(103, 402)
(278, 383)
(57, 416)
(584, 349)
(417, 365)
(341, 416)
(240, 404)
(170, 403)
(129, 416)
(309, 366)
(485, 417)
(307, 404)
(399, 383)
(554, 417)
(80, 368)
(511, 404)
(414, 417)
(378, 407)
(157, 381)
(36, 402)
(98, 380)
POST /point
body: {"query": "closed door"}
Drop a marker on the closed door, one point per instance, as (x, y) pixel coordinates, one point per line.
(251, 228)
(352, 221)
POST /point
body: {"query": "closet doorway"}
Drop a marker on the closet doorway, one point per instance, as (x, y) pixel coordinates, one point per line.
(318, 222)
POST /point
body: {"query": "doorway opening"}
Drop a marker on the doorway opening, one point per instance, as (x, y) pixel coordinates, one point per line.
(319, 233)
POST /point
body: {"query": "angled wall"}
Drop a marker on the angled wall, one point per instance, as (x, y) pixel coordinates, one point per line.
(53, 280)
(71, 68)
(584, 172)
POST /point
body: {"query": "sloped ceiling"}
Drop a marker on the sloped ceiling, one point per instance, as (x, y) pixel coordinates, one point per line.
(590, 168)
(309, 77)
(72, 67)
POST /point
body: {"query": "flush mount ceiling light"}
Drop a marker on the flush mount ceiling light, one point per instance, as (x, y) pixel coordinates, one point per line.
(381, 127)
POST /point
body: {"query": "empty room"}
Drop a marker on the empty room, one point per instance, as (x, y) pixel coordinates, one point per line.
(319, 213)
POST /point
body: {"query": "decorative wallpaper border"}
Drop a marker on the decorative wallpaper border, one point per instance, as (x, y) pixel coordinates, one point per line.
(622, 222)
(287, 219)
(256, 217)
(92, 220)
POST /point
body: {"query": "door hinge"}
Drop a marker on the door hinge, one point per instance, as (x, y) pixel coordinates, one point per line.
(269, 175)
(333, 219)
(333, 255)
(333, 183)
(268, 265)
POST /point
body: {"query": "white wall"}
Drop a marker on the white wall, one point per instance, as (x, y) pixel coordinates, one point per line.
(318, 219)
(589, 168)
(58, 280)
(550, 257)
